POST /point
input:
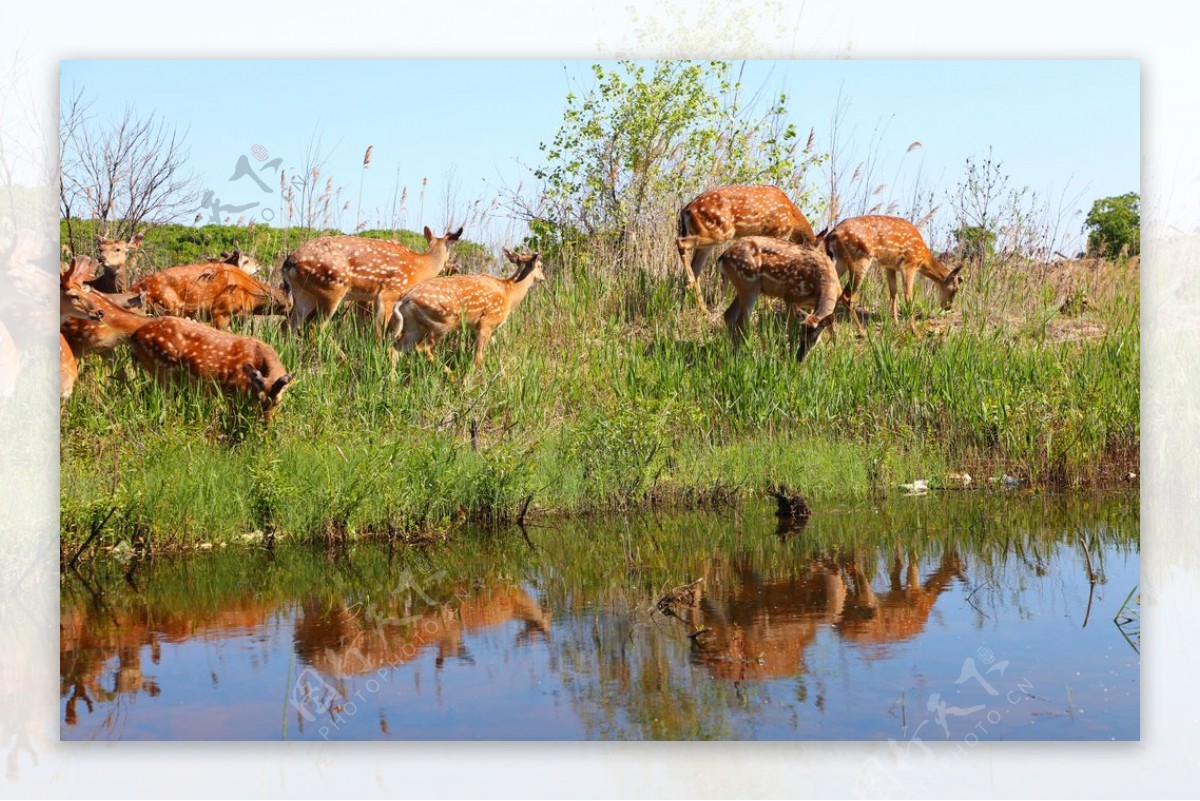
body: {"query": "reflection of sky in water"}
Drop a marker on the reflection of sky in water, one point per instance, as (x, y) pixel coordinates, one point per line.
(990, 644)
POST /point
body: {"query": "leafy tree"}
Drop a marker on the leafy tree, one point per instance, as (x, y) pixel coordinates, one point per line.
(1114, 226)
(647, 138)
(974, 242)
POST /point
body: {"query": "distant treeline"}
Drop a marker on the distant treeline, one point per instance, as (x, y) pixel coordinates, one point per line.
(167, 245)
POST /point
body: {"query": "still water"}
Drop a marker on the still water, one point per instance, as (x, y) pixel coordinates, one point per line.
(946, 617)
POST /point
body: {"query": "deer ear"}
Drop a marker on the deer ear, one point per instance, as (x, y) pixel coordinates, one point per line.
(454, 236)
(137, 239)
(280, 383)
(254, 375)
(954, 273)
(428, 234)
(508, 254)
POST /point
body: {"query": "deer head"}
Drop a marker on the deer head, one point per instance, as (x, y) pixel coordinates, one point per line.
(810, 333)
(113, 258)
(948, 287)
(529, 265)
(268, 389)
(76, 299)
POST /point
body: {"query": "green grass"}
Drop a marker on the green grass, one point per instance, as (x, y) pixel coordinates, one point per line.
(610, 392)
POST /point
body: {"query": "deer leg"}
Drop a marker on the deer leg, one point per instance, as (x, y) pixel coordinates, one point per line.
(744, 305)
(481, 341)
(909, 277)
(853, 283)
(694, 252)
(891, 282)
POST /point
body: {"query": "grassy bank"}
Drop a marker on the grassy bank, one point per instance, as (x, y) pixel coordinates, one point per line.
(608, 392)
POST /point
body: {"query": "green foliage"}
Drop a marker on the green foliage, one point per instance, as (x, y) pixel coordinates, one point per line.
(170, 245)
(646, 138)
(1114, 226)
(974, 242)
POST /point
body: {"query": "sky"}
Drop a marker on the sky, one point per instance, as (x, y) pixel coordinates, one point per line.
(1069, 130)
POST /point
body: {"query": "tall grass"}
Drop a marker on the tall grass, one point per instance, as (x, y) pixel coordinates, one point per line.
(607, 390)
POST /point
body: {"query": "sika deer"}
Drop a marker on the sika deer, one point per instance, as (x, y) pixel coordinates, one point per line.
(324, 272)
(731, 212)
(801, 276)
(897, 247)
(436, 307)
(114, 258)
(170, 347)
(214, 290)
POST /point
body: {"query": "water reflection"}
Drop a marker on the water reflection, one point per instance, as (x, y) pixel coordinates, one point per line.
(815, 634)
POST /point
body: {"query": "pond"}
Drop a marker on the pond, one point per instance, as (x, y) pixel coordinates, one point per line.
(950, 616)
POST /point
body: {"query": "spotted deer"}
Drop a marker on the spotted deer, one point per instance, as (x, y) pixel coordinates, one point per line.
(897, 247)
(483, 302)
(730, 212)
(803, 277)
(114, 258)
(174, 347)
(322, 273)
(215, 291)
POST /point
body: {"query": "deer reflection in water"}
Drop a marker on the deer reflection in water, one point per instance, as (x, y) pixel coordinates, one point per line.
(342, 640)
(92, 635)
(762, 627)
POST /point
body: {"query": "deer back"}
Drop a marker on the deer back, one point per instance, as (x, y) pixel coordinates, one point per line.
(736, 211)
(365, 266)
(798, 274)
(195, 289)
(451, 298)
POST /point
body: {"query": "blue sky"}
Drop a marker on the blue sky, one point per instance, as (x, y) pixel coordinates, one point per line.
(472, 125)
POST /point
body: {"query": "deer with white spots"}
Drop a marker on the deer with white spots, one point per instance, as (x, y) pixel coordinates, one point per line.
(173, 347)
(114, 258)
(438, 306)
(215, 291)
(324, 272)
(730, 212)
(76, 301)
(897, 247)
(802, 276)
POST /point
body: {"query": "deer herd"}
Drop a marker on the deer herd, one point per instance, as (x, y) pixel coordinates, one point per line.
(175, 320)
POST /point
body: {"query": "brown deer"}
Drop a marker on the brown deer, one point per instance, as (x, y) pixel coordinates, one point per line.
(76, 303)
(483, 302)
(215, 290)
(173, 347)
(897, 247)
(730, 212)
(322, 273)
(243, 261)
(114, 258)
(803, 277)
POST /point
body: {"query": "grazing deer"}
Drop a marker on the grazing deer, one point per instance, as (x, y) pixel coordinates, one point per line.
(801, 276)
(897, 247)
(171, 347)
(215, 290)
(114, 258)
(438, 306)
(731, 212)
(322, 273)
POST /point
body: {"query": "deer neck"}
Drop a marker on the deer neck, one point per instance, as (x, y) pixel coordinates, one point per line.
(123, 321)
(515, 291)
(934, 270)
(432, 262)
